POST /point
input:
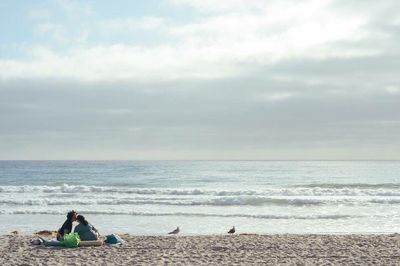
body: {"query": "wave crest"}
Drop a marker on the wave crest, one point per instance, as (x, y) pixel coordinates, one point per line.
(303, 190)
(188, 214)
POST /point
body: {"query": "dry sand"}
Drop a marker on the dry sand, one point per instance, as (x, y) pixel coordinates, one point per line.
(212, 250)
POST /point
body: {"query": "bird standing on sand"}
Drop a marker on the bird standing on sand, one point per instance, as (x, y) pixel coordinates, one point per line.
(232, 231)
(176, 231)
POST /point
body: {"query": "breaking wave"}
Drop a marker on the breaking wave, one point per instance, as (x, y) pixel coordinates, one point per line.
(219, 201)
(303, 190)
(352, 185)
(188, 214)
(225, 201)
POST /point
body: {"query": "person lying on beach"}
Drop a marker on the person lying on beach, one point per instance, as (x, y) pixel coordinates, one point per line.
(85, 230)
(67, 226)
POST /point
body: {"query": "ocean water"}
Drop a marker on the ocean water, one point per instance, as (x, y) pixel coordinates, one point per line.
(203, 197)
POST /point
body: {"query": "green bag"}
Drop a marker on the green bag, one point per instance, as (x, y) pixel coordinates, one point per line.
(71, 240)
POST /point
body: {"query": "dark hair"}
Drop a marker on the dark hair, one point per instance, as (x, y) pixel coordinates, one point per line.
(71, 214)
(81, 219)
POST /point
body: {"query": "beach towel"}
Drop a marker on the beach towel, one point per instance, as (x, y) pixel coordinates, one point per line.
(91, 243)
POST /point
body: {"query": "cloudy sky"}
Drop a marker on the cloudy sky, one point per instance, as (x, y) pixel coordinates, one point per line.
(200, 79)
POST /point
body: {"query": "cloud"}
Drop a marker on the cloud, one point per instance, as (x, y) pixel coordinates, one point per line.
(275, 97)
(116, 62)
(217, 46)
(217, 119)
(393, 89)
(232, 80)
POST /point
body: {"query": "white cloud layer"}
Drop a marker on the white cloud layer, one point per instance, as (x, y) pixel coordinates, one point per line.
(215, 46)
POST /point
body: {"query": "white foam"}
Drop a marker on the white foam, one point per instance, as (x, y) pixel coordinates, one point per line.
(288, 191)
(9, 202)
(189, 214)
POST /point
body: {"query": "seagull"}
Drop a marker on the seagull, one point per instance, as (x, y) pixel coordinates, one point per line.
(174, 232)
(232, 231)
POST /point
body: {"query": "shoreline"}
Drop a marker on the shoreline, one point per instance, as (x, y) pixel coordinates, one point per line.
(34, 234)
(240, 249)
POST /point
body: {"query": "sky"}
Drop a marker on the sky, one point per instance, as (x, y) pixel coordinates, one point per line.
(200, 80)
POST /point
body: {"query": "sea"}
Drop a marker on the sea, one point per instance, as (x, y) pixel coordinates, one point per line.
(203, 197)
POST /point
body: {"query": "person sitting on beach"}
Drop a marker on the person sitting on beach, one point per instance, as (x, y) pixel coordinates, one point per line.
(85, 230)
(67, 226)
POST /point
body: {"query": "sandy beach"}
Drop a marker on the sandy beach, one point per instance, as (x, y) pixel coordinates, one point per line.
(212, 250)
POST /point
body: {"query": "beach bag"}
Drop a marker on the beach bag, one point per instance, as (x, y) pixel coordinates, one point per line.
(113, 239)
(71, 240)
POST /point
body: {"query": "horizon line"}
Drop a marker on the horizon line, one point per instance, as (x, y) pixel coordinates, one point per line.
(216, 160)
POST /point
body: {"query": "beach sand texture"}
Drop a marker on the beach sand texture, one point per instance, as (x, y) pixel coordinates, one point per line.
(212, 250)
